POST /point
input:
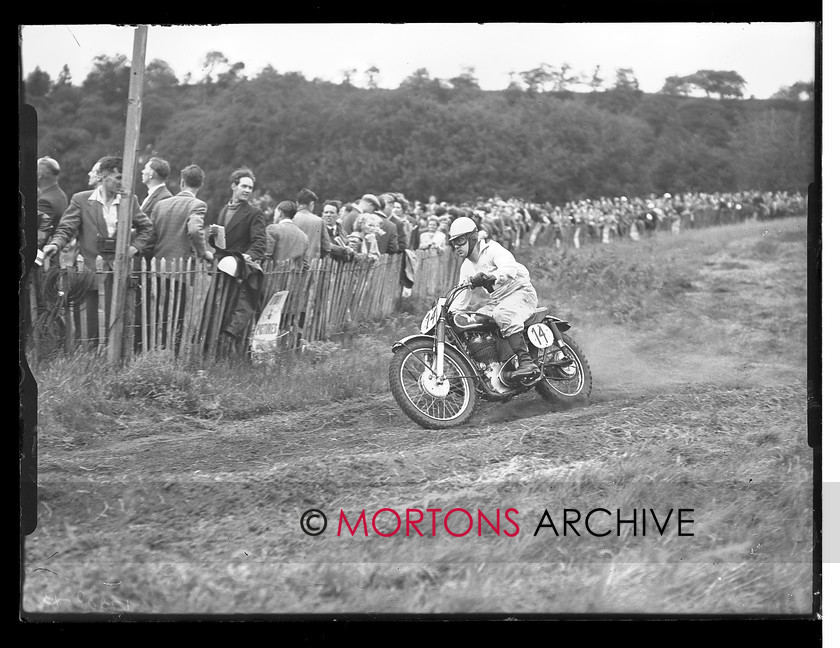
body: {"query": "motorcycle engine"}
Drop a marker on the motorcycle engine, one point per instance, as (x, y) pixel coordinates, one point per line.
(482, 347)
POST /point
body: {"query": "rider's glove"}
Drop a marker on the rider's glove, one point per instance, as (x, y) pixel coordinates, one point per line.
(477, 280)
(482, 280)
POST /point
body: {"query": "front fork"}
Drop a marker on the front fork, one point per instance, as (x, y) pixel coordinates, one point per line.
(558, 336)
(440, 338)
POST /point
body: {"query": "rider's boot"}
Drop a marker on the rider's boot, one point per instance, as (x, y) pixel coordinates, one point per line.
(526, 368)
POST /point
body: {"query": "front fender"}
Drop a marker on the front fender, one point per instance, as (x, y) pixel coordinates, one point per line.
(431, 339)
(409, 338)
(561, 324)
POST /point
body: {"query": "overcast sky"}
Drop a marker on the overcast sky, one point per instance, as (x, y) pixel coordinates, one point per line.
(767, 55)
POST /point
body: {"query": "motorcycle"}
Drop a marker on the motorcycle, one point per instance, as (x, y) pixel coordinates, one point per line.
(436, 376)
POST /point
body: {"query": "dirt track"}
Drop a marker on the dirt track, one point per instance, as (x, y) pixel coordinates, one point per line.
(179, 514)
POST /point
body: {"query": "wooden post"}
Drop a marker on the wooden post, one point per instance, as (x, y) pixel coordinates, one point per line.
(122, 262)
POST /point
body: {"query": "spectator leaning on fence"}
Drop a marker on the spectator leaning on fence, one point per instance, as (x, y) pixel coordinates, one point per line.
(406, 221)
(178, 224)
(400, 236)
(403, 219)
(388, 239)
(367, 204)
(339, 245)
(179, 221)
(52, 201)
(92, 217)
(363, 237)
(427, 232)
(244, 224)
(441, 234)
(285, 240)
(312, 225)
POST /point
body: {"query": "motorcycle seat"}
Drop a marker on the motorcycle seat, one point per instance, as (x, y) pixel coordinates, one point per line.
(538, 316)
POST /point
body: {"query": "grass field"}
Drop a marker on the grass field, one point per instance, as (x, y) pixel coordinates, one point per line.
(165, 490)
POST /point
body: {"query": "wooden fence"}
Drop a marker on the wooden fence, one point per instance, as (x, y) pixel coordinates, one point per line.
(184, 306)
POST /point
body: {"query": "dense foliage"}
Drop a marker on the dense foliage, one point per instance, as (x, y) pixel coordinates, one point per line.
(451, 139)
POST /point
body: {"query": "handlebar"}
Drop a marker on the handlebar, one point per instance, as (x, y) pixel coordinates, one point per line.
(450, 296)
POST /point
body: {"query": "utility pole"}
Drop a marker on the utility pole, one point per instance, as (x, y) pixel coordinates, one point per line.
(122, 262)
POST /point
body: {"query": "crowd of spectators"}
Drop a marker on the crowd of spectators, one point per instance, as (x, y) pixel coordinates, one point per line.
(514, 222)
(392, 223)
(261, 232)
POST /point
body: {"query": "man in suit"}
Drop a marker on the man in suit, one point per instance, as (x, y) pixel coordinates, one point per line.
(285, 240)
(179, 234)
(244, 224)
(312, 225)
(92, 218)
(52, 201)
(386, 238)
(179, 220)
(339, 245)
(154, 176)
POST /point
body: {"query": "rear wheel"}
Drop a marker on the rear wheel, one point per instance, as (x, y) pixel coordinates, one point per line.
(433, 404)
(572, 383)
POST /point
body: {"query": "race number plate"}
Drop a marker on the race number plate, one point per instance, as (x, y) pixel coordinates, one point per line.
(540, 336)
(430, 320)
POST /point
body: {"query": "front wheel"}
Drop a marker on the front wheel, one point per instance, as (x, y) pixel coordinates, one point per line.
(565, 383)
(433, 404)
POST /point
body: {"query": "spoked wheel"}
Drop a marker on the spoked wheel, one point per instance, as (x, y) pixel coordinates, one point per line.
(566, 382)
(431, 402)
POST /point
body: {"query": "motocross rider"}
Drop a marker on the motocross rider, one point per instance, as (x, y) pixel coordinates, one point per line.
(513, 299)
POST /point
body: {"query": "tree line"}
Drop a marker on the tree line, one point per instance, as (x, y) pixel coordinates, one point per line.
(553, 135)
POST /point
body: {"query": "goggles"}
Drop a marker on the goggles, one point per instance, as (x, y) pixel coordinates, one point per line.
(458, 241)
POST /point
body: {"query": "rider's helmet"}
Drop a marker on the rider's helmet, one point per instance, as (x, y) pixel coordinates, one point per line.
(463, 229)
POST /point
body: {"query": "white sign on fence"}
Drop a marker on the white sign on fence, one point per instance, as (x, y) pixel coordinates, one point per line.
(267, 331)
